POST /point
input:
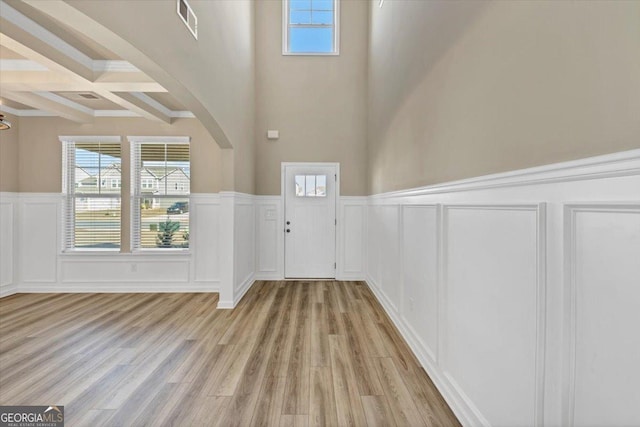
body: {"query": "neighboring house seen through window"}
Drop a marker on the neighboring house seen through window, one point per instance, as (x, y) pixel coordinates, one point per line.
(161, 185)
(92, 212)
(310, 27)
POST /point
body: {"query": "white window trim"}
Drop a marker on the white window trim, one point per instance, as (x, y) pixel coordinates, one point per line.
(135, 142)
(193, 29)
(285, 32)
(66, 187)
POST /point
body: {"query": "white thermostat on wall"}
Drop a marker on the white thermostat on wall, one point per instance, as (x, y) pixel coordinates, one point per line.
(273, 134)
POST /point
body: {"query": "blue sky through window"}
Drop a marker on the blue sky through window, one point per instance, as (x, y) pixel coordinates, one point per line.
(311, 26)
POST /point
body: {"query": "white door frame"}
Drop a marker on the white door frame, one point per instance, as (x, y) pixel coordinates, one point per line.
(283, 196)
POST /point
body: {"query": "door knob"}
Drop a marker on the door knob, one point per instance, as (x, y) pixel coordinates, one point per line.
(288, 222)
(288, 231)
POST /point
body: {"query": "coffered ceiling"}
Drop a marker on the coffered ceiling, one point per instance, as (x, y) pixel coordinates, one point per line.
(50, 69)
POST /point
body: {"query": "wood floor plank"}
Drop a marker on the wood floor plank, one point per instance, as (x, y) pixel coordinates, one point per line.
(269, 407)
(377, 411)
(319, 328)
(294, 421)
(296, 398)
(349, 408)
(292, 353)
(398, 397)
(322, 403)
(363, 364)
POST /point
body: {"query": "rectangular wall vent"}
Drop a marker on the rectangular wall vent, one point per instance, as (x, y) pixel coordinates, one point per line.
(88, 96)
(188, 17)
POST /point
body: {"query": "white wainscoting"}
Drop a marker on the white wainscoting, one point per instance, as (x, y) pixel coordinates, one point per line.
(244, 244)
(602, 349)
(519, 292)
(351, 232)
(269, 238)
(43, 267)
(205, 216)
(8, 241)
(40, 241)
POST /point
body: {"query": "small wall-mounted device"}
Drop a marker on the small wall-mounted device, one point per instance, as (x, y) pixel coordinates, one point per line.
(273, 134)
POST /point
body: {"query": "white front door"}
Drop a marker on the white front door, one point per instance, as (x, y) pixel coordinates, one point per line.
(310, 220)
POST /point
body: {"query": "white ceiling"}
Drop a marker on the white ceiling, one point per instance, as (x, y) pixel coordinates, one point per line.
(48, 69)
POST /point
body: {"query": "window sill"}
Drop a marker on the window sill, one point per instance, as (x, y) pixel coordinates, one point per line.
(139, 252)
(310, 53)
(117, 253)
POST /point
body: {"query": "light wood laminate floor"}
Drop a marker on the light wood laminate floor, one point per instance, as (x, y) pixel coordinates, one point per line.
(291, 353)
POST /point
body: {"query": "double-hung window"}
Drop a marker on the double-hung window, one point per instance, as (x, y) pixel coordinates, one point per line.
(161, 177)
(92, 208)
(310, 27)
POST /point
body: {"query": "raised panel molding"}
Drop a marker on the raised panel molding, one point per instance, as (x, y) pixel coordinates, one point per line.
(8, 240)
(493, 305)
(244, 244)
(351, 238)
(269, 238)
(40, 241)
(421, 272)
(205, 219)
(602, 296)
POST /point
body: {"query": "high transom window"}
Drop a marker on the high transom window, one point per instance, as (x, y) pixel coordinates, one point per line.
(311, 27)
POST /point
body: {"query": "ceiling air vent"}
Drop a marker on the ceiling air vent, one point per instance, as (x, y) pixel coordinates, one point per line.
(188, 17)
(88, 96)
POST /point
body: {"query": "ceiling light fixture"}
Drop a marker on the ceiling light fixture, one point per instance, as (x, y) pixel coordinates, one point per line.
(4, 124)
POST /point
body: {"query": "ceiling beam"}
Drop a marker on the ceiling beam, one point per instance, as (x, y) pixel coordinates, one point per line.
(50, 102)
(41, 83)
(44, 47)
(65, 12)
(74, 70)
(132, 103)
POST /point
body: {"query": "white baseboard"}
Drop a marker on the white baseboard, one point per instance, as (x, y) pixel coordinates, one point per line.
(460, 405)
(242, 290)
(8, 290)
(269, 276)
(120, 287)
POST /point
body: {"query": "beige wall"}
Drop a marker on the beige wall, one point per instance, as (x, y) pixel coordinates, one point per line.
(9, 156)
(318, 103)
(213, 76)
(462, 89)
(40, 152)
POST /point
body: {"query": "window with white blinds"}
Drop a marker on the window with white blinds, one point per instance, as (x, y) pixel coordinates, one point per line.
(161, 178)
(92, 177)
